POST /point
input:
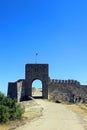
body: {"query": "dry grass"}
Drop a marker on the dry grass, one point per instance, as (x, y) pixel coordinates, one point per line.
(81, 110)
(34, 112)
(4, 127)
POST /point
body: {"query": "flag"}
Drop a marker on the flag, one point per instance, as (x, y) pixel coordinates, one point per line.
(36, 54)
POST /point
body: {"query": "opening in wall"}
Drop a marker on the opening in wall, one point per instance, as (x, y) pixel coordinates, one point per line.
(37, 88)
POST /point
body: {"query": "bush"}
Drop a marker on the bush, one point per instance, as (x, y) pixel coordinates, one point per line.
(16, 112)
(2, 97)
(4, 113)
(9, 109)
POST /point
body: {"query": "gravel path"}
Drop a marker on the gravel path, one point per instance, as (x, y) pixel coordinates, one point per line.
(55, 117)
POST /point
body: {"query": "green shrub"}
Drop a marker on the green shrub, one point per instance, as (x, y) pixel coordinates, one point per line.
(9, 109)
(16, 112)
(4, 113)
(2, 97)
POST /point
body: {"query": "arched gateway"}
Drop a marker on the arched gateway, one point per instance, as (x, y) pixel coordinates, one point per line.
(37, 71)
(59, 90)
(22, 89)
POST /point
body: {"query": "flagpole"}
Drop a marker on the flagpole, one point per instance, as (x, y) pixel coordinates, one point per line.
(36, 58)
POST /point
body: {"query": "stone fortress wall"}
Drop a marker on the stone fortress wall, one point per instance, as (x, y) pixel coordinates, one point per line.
(69, 81)
(67, 91)
(58, 90)
(16, 90)
(21, 90)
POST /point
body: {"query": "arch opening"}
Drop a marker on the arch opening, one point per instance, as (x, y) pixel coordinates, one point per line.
(37, 88)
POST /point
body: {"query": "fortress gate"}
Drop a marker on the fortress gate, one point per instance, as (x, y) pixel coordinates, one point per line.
(22, 89)
(40, 72)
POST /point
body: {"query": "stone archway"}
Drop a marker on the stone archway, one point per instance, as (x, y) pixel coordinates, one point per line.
(37, 88)
(37, 71)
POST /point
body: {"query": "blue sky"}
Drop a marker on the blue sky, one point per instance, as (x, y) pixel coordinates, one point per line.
(56, 29)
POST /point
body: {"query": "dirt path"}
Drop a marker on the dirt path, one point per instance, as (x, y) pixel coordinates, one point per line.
(55, 117)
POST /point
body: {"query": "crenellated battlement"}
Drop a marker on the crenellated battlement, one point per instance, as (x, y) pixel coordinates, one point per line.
(67, 91)
(59, 90)
(69, 81)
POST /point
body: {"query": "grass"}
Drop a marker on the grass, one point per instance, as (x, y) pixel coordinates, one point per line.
(4, 127)
(27, 116)
(81, 110)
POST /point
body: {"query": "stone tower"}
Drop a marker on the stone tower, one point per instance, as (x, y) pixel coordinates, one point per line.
(22, 89)
(37, 71)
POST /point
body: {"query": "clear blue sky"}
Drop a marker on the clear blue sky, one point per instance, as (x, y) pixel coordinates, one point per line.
(56, 29)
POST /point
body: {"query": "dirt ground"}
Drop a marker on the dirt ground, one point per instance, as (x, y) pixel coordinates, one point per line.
(55, 117)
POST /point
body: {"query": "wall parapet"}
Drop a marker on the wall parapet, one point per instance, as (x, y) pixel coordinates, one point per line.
(69, 81)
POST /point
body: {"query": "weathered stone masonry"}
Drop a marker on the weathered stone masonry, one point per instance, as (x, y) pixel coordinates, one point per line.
(67, 91)
(59, 90)
(22, 89)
